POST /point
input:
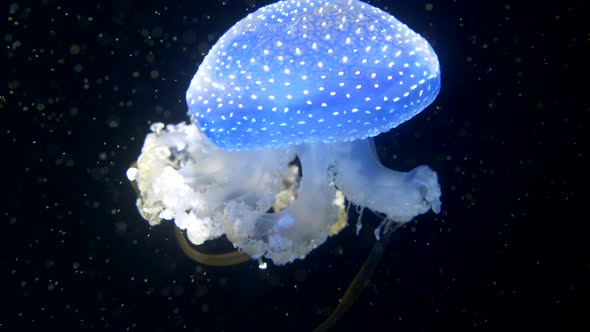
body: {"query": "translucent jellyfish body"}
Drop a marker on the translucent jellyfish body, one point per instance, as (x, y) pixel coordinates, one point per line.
(312, 80)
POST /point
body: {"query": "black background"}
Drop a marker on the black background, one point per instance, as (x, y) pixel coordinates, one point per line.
(81, 81)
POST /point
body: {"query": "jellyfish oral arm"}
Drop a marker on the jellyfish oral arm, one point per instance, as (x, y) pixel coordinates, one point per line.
(353, 169)
(308, 221)
(401, 196)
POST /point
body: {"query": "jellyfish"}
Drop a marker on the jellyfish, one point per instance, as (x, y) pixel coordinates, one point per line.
(283, 111)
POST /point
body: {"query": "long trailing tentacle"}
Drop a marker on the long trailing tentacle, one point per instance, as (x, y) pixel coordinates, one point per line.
(362, 278)
(226, 259)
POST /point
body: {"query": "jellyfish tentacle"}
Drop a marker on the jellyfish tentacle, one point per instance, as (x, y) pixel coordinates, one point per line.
(226, 259)
(362, 278)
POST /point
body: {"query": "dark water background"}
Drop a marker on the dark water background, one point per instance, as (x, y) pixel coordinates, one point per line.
(81, 81)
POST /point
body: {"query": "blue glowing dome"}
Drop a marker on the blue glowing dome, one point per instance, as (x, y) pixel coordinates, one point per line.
(312, 71)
